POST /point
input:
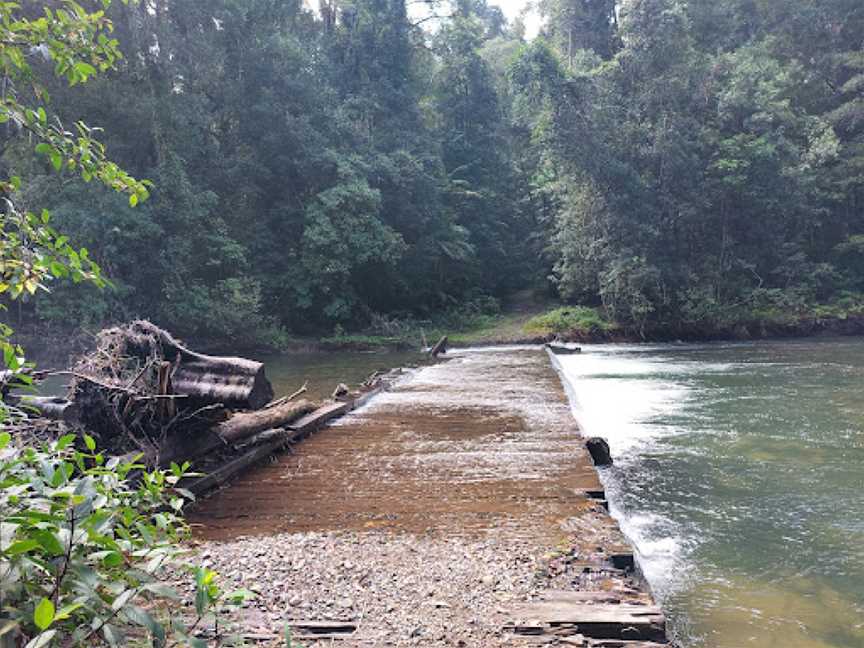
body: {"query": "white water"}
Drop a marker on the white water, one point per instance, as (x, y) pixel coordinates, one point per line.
(738, 479)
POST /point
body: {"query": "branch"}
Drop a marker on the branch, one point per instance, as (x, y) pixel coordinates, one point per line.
(431, 17)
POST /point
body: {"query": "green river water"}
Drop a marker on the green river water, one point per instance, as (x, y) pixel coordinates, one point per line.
(740, 478)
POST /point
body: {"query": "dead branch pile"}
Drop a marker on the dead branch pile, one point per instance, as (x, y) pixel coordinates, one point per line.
(141, 390)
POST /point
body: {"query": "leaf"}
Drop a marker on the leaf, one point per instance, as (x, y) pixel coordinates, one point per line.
(112, 559)
(141, 617)
(163, 591)
(8, 627)
(201, 601)
(20, 547)
(67, 611)
(89, 442)
(123, 599)
(112, 635)
(41, 640)
(133, 200)
(50, 542)
(43, 615)
(5, 437)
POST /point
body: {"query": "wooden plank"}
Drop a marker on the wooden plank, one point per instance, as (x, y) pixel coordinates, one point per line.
(366, 396)
(568, 596)
(617, 643)
(322, 629)
(233, 467)
(320, 416)
(598, 621)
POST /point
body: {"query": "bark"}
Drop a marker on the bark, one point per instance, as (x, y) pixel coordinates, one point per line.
(58, 409)
(439, 348)
(245, 424)
(238, 383)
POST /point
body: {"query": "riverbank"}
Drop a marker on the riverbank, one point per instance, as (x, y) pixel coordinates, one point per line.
(524, 319)
(458, 509)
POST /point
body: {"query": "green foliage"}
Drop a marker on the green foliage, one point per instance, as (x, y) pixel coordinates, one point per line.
(570, 321)
(84, 540)
(323, 172)
(86, 544)
(667, 159)
(703, 166)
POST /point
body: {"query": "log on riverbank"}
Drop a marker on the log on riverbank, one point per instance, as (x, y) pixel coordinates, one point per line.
(141, 392)
(243, 425)
(57, 409)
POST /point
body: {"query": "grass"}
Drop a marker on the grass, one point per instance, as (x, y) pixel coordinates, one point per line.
(569, 321)
(523, 321)
(530, 321)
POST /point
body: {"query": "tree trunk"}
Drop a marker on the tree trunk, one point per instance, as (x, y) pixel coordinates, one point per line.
(238, 383)
(245, 424)
(440, 347)
(58, 409)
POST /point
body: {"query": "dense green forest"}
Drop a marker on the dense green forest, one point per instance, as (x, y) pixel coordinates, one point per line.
(674, 163)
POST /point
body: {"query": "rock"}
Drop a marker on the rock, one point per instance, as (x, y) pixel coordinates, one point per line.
(599, 449)
(341, 390)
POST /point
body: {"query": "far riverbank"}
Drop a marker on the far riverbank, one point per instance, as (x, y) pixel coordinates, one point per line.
(524, 320)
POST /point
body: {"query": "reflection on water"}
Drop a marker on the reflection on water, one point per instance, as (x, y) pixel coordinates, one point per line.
(738, 475)
(323, 371)
(481, 443)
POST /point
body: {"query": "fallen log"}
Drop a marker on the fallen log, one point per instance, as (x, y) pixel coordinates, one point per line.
(57, 409)
(439, 348)
(237, 383)
(562, 349)
(245, 424)
(271, 441)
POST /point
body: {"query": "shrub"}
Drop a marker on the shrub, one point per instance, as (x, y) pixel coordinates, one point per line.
(85, 547)
(569, 320)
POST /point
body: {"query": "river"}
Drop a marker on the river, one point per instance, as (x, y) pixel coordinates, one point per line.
(739, 478)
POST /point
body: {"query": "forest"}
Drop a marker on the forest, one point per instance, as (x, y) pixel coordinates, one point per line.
(671, 163)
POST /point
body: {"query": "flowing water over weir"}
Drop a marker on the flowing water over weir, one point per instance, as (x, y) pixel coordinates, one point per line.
(481, 445)
(481, 442)
(739, 477)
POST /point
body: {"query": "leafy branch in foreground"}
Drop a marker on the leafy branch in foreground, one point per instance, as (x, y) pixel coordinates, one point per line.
(78, 44)
(86, 542)
(85, 550)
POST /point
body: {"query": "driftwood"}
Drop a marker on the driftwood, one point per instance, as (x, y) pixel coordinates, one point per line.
(141, 392)
(57, 409)
(235, 382)
(562, 349)
(140, 389)
(439, 348)
(245, 424)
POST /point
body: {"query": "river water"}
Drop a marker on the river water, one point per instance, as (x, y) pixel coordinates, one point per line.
(740, 478)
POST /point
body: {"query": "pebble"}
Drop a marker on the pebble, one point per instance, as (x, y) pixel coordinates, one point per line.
(378, 581)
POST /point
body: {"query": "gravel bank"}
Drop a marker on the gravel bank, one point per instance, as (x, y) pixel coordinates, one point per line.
(400, 590)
